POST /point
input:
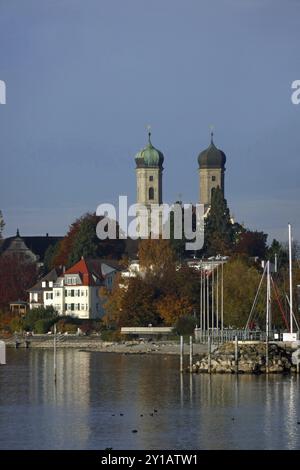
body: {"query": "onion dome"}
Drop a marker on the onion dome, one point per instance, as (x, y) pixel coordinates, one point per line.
(212, 157)
(149, 156)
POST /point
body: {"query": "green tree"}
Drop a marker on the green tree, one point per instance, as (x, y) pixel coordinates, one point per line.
(85, 243)
(185, 325)
(241, 280)
(280, 251)
(2, 224)
(82, 240)
(50, 255)
(219, 233)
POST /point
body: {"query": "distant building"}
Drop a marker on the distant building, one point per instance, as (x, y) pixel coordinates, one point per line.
(149, 172)
(207, 265)
(76, 291)
(211, 163)
(41, 294)
(18, 307)
(30, 249)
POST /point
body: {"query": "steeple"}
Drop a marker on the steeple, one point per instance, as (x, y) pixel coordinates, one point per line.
(211, 162)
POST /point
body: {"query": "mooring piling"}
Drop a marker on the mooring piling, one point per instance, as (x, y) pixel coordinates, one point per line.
(181, 353)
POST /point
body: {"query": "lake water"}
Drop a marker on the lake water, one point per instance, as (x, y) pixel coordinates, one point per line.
(193, 412)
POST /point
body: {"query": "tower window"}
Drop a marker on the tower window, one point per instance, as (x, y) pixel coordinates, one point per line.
(151, 194)
(213, 178)
(150, 178)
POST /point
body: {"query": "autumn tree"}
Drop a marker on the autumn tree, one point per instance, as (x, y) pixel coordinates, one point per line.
(252, 243)
(173, 306)
(163, 291)
(65, 245)
(81, 240)
(132, 304)
(16, 277)
(157, 257)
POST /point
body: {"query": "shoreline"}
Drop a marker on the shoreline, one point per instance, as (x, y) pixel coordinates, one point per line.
(97, 345)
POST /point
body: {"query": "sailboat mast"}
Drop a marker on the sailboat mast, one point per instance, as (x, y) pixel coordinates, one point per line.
(268, 302)
(291, 278)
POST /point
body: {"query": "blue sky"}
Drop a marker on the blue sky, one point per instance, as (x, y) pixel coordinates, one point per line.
(84, 78)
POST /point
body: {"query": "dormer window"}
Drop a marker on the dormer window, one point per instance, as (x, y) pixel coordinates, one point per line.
(44, 283)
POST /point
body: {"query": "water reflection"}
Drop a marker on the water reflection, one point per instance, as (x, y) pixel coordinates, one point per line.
(99, 398)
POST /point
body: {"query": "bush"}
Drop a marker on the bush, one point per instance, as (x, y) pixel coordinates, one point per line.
(66, 326)
(185, 325)
(16, 324)
(40, 313)
(111, 335)
(42, 326)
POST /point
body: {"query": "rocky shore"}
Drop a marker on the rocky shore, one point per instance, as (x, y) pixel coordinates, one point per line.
(251, 359)
(97, 345)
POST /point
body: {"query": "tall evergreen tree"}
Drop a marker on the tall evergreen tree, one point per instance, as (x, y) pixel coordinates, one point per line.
(219, 231)
(86, 242)
(2, 224)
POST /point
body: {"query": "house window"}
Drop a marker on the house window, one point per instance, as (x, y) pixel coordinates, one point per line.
(150, 178)
(151, 193)
(213, 178)
(72, 293)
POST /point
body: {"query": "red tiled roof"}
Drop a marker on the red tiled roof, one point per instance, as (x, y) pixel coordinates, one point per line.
(86, 269)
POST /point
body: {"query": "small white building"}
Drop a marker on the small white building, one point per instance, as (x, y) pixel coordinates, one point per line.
(41, 294)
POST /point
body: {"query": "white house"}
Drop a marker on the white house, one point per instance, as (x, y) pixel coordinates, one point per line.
(76, 291)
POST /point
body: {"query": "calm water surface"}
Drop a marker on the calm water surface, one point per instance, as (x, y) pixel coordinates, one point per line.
(194, 412)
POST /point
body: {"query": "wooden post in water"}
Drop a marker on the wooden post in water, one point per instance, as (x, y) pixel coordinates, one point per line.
(54, 355)
(2, 352)
(191, 354)
(236, 354)
(181, 353)
(209, 354)
(267, 354)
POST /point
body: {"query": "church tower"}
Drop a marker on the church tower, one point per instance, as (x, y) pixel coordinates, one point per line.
(211, 172)
(149, 170)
